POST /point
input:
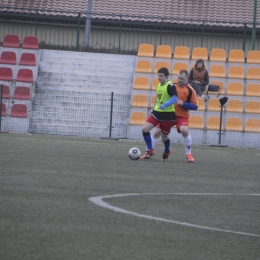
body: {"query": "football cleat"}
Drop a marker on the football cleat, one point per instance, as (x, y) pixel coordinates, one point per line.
(189, 157)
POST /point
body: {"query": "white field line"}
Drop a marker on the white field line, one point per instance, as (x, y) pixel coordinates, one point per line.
(99, 201)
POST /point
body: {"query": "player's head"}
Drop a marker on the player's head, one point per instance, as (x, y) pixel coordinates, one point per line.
(163, 74)
(199, 63)
(183, 78)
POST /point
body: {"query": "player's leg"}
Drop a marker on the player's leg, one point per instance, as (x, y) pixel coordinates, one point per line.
(165, 131)
(147, 127)
(183, 128)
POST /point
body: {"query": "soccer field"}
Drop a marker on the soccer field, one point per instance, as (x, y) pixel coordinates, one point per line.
(72, 198)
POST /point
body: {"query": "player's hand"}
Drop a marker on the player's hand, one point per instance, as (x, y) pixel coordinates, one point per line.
(162, 108)
(180, 102)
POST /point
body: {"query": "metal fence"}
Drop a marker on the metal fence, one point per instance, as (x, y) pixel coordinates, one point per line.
(115, 33)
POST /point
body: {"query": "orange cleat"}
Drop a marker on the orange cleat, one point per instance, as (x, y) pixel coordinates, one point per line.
(148, 154)
(189, 157)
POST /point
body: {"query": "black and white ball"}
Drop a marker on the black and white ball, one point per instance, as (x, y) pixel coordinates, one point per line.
(134, 153)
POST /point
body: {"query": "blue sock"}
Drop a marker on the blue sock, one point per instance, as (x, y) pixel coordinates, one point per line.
(148, 140)
(167, 144)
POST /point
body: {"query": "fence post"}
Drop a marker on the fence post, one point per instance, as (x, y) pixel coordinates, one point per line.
(78, 32)
(222, 101)
(244, 38)
(111, 114)
(1, 100)
(120, 29)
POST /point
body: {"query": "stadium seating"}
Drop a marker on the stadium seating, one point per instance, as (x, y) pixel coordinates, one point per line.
(153, 100)
(143, 66)
(21, 92)
(253, 57)
(163, 51)
(213, 104)
(182, 53)
(253, 73)
(213, 123)
(6, 74)
(3, 109)
(179, 66)
(221, 87)
(253, 107)
(235, 89)
(140, 100)
(253, 89)
(6, 92)
(252, 125)
(201, 104)
(8, 57)
(218, 55)
(28, 59)
(161, 64)
(236, 72)
(199, 53)
(145, 50)
(142, 83)
(137, 118)
(11, 40)
(236, 56)
(25, 75)
(234, 105)
(217, 71)
(196, 121)
(234, 124)
(30, 42)
(155, 83)
(19, 110)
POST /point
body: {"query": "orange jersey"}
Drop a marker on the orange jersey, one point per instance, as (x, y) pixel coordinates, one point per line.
(183, 94)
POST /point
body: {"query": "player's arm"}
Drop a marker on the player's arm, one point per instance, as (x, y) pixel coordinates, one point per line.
(174, 97)
(193, 104)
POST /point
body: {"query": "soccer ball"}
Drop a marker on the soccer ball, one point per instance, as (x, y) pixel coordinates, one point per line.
(134, 153)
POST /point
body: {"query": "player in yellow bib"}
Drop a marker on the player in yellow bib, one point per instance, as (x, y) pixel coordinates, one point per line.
(163, 114)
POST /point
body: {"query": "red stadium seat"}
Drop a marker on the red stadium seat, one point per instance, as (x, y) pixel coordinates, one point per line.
(28, 59)
(25, 75)
(3, 109)
(6, 74)
(6, 92)
(19, 110)
(22, 93)
(30, 42)
(8, 57)
(11, 40)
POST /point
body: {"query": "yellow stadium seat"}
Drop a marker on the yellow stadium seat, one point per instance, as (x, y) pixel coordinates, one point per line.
(201, 104)
(196, 121)
(137, 118)
(161, 64)
(218, 55)
(153, 101)
(252, 125)
(236, 72)
(214, 104)
(181, 52)
(140, 100)
(199, 53)
(253, 57)
(145, 50)
(142, 83)
(235, 89)
(253, 89)
(253, 73)
(155, 83)
(213, 123)
(217, 71)
(234, 124)
(143, 66)
(179, 66)
(236, 56)
(163, 51)
(253, 107)
(234, 105)
(221, 87)
(175, 81)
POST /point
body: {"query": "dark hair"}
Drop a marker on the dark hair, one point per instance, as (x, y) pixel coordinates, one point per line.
(184, 72)
(164, 71)
(199, 61)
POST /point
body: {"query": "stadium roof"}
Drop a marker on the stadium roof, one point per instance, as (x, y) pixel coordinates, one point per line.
(229, 12)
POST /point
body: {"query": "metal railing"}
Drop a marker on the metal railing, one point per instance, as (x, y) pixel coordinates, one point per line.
(115, 33)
